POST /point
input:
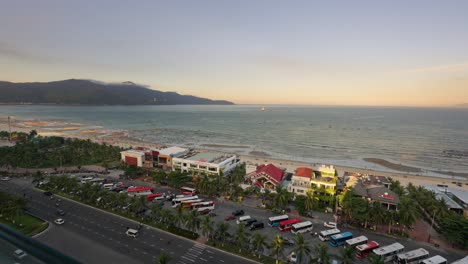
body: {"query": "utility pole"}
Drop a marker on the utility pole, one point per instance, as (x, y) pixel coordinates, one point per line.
(9, 129)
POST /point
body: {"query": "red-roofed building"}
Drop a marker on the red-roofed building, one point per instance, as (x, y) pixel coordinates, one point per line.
(266, 176)
(300, 181)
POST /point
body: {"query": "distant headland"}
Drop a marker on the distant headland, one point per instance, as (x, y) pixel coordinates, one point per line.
(87, 92)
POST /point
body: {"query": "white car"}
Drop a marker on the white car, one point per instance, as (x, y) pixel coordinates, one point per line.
(59, 221)
(329, 224)
(6, 178)
(19, 254)
(132, 232)
(292, 257)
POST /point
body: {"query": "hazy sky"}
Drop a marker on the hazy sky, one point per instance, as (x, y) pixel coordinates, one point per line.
(290, 52)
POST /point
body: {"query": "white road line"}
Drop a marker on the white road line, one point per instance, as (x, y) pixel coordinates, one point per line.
(204, 259)
(191, 255)
(221, 260)
(188, 258)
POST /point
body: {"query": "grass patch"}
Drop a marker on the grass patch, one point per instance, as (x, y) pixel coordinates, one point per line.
(26, 224)
(245, 253)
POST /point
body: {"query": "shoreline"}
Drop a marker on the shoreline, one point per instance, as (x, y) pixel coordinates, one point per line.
(121, 138)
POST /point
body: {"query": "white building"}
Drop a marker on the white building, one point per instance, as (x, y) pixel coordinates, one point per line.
(133, 157)
(206, 162)
(300, 181)
(166, 155)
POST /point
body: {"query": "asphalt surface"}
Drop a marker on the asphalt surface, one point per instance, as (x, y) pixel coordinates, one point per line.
(93, 236)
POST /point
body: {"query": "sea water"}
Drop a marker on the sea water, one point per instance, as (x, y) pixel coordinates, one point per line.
(434, 138)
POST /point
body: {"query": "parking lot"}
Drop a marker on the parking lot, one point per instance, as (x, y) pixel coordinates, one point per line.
(225, 208)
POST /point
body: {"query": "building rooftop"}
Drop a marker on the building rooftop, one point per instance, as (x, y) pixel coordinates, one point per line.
(461, 195)
(208, 157)
(383, 194)
(276, 174)
(133, 151)
(172, 151)
(304, 172)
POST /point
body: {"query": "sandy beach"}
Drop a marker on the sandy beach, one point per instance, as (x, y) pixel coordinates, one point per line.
(405, 174)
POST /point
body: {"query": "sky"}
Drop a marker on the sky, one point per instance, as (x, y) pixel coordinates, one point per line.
(399, 53)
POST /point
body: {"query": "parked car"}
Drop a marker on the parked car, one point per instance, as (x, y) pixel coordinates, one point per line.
(204, 212)
(329, 224)
(257, 225)
(250, 222)
(19, 254)
(229, 218)
(288, 242)
(6, 178)
(59, 221)
(238, 212)
(48, 193)
(292, 257)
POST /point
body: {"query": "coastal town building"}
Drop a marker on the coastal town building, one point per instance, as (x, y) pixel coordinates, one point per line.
(205, 163)
(300, 181)
(325, 177)
(373, 188)
(133, 157)
(166, 155)
(266, 177)
(456, 199)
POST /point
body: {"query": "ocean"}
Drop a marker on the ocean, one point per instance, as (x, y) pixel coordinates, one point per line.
(431, 138)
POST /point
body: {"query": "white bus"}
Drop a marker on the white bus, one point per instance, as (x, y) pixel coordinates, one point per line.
(107, 185)
(302, 227)
(413, 256)
(437, 259)
(325, 235)
(201, 206)
(275, 220)
(188, 203)
(356, 241)
(389, 252)
(177, 201)
(188, 191)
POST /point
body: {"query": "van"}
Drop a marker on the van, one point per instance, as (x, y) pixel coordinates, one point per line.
(242, 219)
(107, 185)
(257, 225)
(132, 232)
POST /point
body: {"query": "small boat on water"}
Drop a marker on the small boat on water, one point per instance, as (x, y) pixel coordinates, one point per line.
(263, 109)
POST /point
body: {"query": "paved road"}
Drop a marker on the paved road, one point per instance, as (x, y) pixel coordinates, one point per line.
(93, 236)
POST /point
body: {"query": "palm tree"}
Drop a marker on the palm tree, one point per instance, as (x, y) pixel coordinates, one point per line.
(164, 258)
(397, 188)
(207, 226)
(390, 217)
(310, 201)
(192, 221)
(241, 236)
(376, 213)
(38, 177)
(222, 232)
(179, 216)
(376, 259)
(259, 243)
(281, 197)
(407, 212)
(321, 252)
(167, 217)
(346, 255)
(302, 247)
(278, 247)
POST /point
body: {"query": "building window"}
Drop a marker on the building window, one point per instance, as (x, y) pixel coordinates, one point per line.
(212, 169)
(202, 167)
(185, 164)
(193, 165)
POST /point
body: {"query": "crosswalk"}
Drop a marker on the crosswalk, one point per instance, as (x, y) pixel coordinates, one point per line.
(193, 255)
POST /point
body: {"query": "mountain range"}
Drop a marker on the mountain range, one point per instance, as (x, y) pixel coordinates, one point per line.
(87, 92)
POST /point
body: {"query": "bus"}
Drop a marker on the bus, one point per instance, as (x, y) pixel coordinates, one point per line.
(437, 259)
(188, 191)
(302, 227)
(177, 201)
(287, 224)
(325, 235)
(150, 197)
(201, 206)
(364, 250)
(340, 239)
(275, 220)
(356, 241)
(187, 204)
(138, 191)
(413, 256)
(389, 252)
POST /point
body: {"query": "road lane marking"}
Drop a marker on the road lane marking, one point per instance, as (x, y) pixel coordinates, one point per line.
(204, 259)
(188, 258)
